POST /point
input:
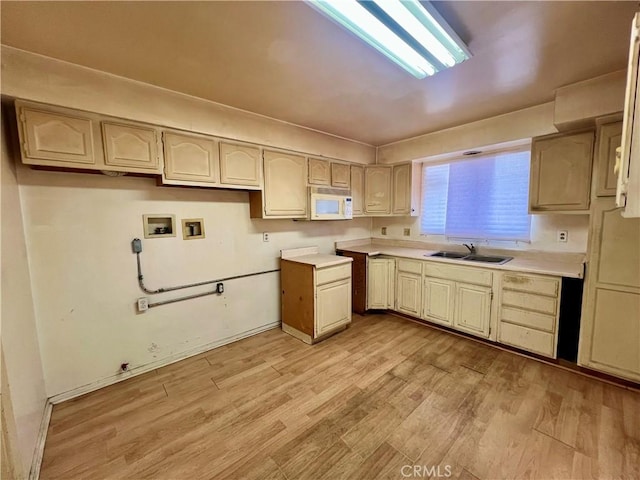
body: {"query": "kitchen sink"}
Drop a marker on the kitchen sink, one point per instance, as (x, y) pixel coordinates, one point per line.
(496, 260)
(487, 259)
(448, 255)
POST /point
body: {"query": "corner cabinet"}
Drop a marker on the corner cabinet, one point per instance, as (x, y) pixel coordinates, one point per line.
(316, 300)
(380, 283)
(285, 187)
(561, 172)
(377, 190)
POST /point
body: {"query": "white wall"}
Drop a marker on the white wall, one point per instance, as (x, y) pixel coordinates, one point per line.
(543, 233)
(19, 336)
(79, 229)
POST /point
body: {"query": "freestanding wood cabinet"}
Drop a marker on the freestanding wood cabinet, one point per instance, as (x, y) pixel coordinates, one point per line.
(609, 138)
(285, 187)
(380, 283)
(610, 330)
(561, 172)
(316, 294)
(190, 159)
(377, 190)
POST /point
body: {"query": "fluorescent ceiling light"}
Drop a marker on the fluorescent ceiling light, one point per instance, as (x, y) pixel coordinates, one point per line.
(409, 32)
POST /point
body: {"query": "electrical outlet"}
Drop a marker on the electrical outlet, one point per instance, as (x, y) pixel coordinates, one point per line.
(265, 237)
(407, 232)
(143, 304)
(383, 230)
(563, 236)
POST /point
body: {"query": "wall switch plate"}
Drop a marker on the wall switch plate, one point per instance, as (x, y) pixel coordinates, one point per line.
(143, 304)
(563, 236)
(407, 232)
(383, 230)
(265, 237)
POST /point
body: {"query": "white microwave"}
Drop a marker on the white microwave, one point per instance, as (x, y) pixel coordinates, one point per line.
(330, 204)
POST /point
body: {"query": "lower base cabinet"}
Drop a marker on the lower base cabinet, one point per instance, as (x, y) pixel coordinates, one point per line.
(472, 312)
(333, 306)
(409, 293)
(438, 300)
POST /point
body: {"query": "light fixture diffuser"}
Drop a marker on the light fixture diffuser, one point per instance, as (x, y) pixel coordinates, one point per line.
(388, 24)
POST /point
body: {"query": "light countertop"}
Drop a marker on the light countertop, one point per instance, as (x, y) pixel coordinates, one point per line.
(544, 263)
(320, 260)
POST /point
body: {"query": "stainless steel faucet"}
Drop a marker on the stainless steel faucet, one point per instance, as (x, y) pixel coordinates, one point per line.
(471, 247)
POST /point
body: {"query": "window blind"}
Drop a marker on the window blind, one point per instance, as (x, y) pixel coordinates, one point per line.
(480, 198)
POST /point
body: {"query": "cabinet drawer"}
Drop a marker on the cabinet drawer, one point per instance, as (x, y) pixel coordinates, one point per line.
(531, 284)
(331, 274)
(410, 266)
(527, 339)
(461, 274)
(528, 301)
(525, 318)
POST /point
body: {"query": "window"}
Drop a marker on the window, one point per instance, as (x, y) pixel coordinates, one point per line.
(481, 198)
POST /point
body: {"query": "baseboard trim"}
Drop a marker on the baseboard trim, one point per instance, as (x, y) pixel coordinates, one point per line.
(105, 382)
(38, 452)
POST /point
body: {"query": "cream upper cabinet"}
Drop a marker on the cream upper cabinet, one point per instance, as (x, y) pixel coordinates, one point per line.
(610, 324)
(609, 138)
(438, 300)
(472, 309)
(239, 165)
(285, 186)
(380, 283)
(401, 200)
(56, 137)
(132, 146)
(357, 189)
(377, 190)
(192, 159)
(561, 172)
(319, 172)
(340, 175)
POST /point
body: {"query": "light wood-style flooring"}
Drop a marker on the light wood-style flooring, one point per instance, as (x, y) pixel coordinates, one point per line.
(363, 404)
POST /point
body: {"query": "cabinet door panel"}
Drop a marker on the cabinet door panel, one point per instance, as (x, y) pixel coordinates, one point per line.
(334, 306)
(319, 173)
(377, 190)
(340, 175)
(378, 283)
(409, 297)
(190, 158)
(561, 172)
(473, 309)
(239, 164)
(401, 189)
(357, 189)
(130, 146)
(609, 138)
(439, 298)
(56, 136)
(285, 185)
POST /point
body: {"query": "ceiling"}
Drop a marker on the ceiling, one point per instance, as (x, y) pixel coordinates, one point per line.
(287, 61)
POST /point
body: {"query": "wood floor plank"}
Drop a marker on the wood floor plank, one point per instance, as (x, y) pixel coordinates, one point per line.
(384, 395)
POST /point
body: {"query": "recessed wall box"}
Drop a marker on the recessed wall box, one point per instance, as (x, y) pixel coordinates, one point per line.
(192, 228)
(156, 226)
